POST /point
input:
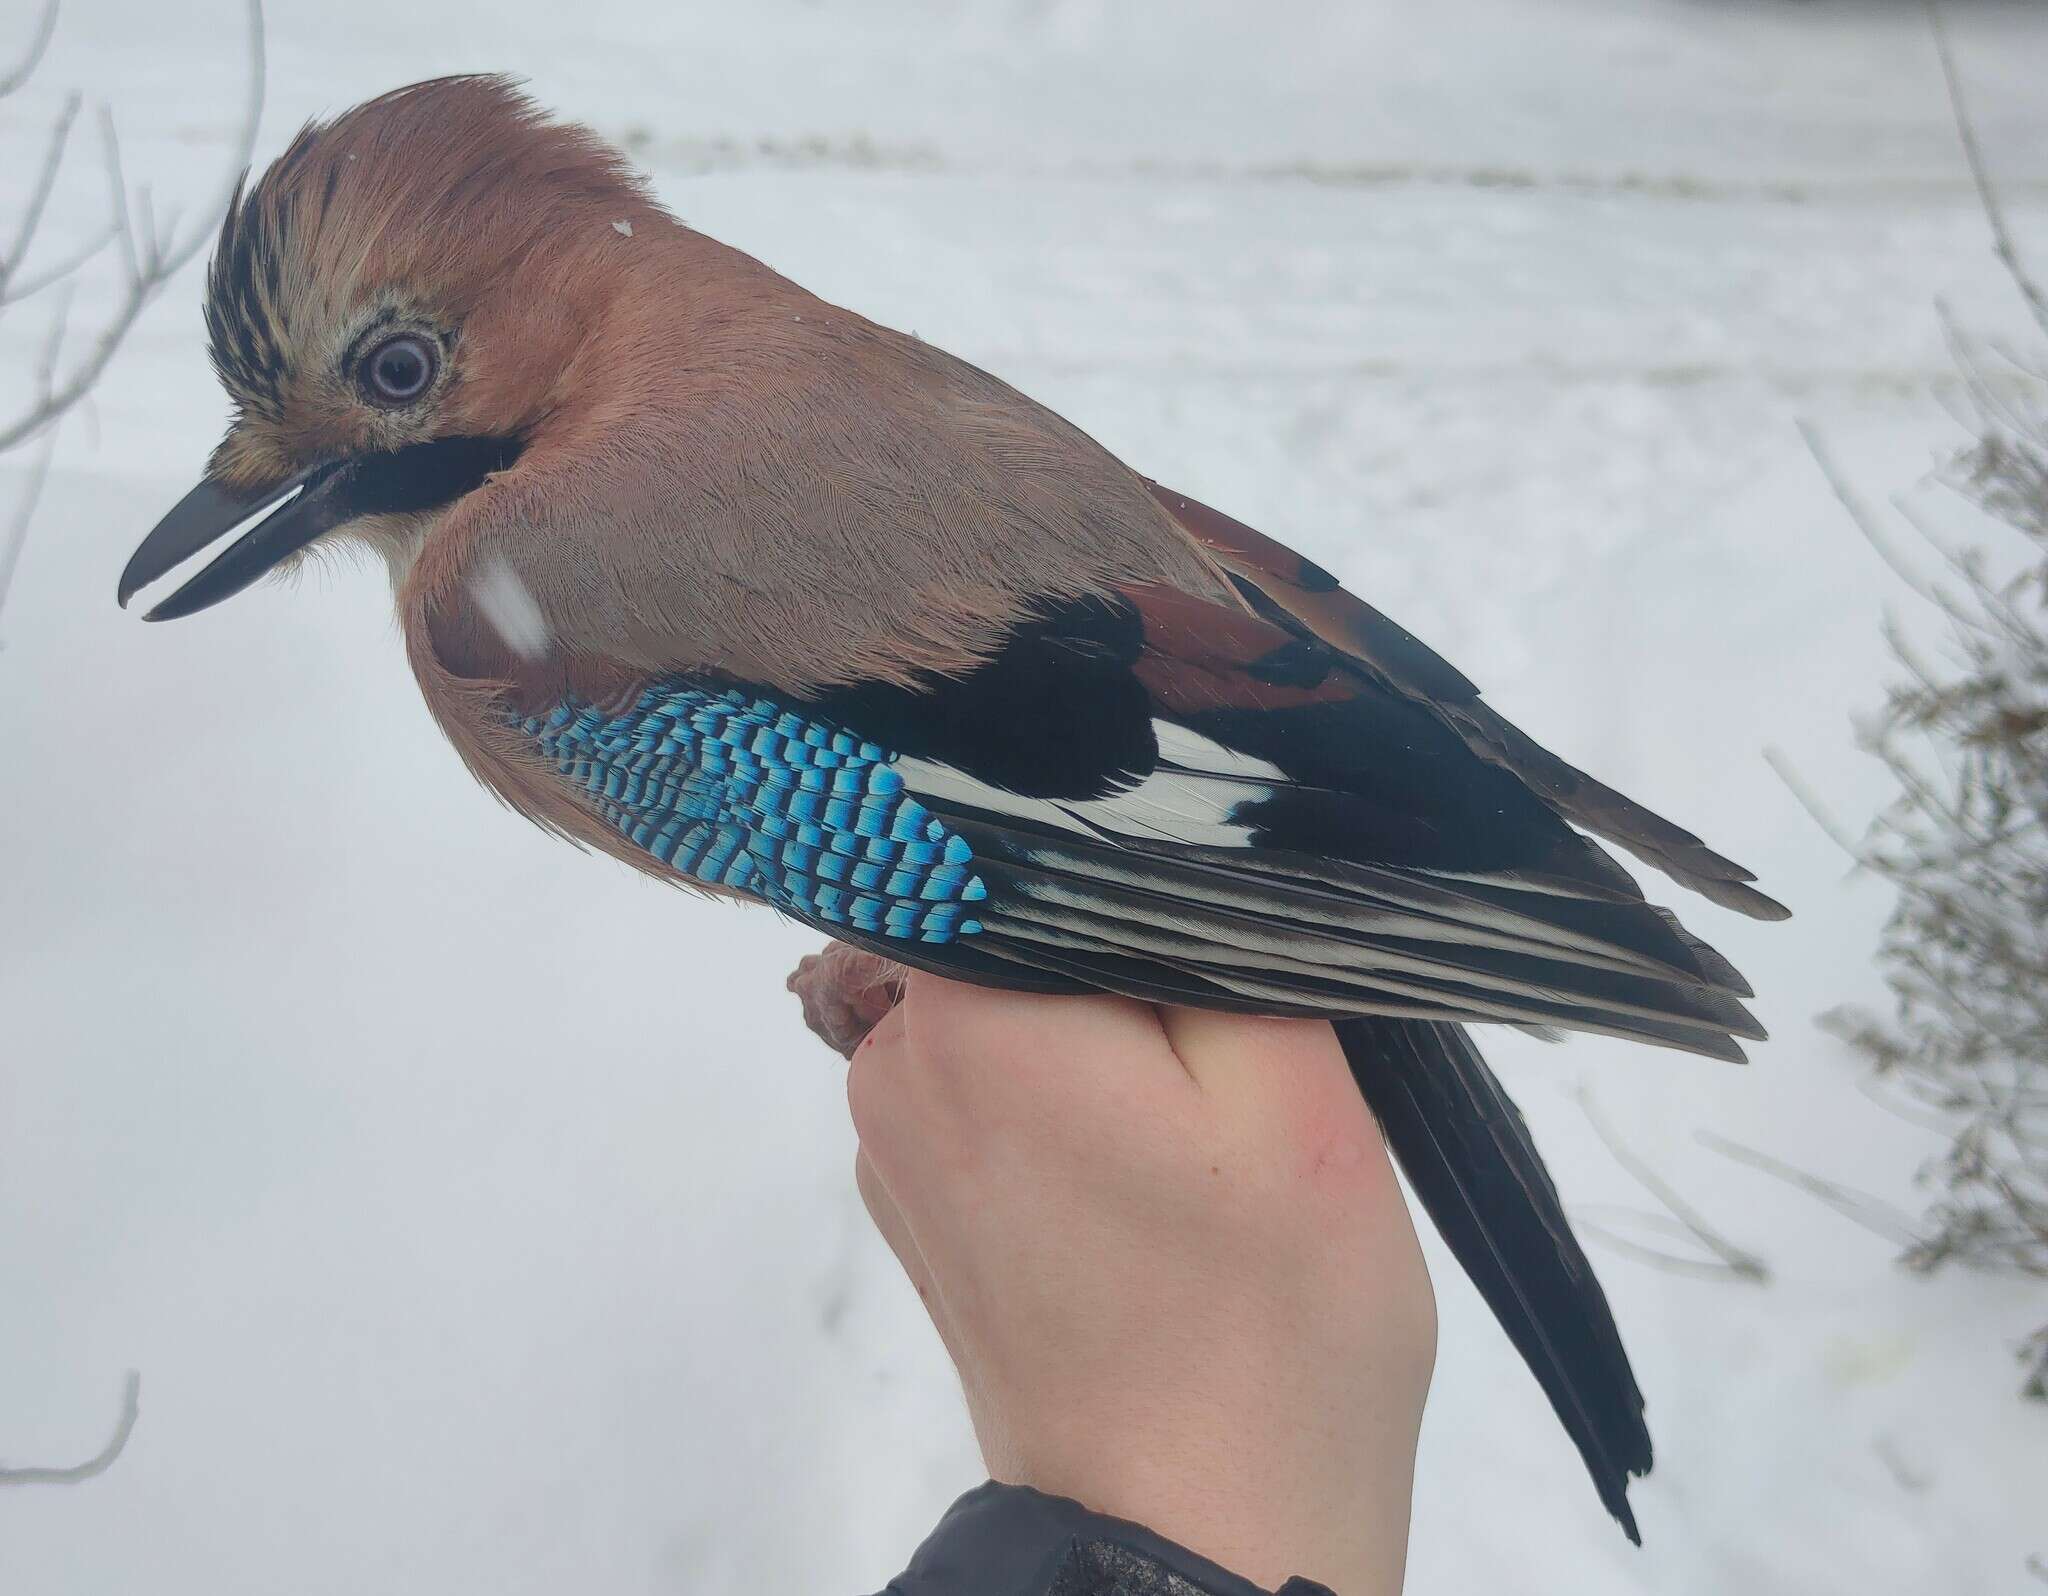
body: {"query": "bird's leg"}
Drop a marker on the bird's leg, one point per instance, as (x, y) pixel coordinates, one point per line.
(845, 993)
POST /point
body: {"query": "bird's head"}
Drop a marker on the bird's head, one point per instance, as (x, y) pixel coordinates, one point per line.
(394, 308)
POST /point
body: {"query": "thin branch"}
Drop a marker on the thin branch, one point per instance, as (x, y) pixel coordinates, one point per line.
(1980, 174)
(117, 190)
(1686, 1219)
(24, 508)
(1873, 1087)
(1959, 561)
(1598, 1221)
(1809, 800)
(150, 263)
(176, 255)
(147, 239)
(1989, 399)
(100, 1462)
(1875, 1216)
(1865, 518)
(18, 74)
(39, 194)
(53, 341)
(28, 287)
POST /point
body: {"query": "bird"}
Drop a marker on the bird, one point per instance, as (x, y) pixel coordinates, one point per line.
(699, 571)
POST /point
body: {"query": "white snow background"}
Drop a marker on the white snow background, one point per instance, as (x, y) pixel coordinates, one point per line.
(480, 1215)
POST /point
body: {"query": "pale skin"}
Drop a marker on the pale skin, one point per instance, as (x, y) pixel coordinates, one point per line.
(1168, 1255)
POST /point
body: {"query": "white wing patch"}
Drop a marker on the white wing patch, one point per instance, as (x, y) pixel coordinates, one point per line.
(1192, 797)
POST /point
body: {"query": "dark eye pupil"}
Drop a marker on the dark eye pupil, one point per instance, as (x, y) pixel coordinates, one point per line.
(401, 369)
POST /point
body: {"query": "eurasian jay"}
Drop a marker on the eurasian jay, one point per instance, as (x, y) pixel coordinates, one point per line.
(757, 596)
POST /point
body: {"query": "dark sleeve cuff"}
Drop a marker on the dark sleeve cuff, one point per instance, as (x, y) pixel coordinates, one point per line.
(1009, 1540)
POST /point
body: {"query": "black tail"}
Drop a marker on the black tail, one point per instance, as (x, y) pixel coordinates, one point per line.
(1466, 1150)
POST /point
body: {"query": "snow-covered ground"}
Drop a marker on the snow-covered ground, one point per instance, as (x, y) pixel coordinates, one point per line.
(480, 1215)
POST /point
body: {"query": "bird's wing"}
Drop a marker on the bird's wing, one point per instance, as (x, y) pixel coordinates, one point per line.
(1156, 795)
(1305, 599)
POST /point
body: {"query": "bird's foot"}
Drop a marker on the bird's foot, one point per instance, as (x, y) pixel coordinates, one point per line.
(846, 993)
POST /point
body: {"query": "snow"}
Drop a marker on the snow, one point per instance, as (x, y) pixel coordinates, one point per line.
(480, 1215)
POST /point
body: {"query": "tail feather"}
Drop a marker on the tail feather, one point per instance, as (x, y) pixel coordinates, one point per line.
(1466, 1151)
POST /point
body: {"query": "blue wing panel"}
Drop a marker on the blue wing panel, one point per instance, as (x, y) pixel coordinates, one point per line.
(741, 793)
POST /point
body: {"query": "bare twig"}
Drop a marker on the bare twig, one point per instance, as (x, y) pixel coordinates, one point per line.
(59, 270)
(117, 194)
(1980, 173)
(38, 197)
(1874, 1215)
(1864, 517)
(53, 340)
(1873, 1087)
(100, 1462)
(172, 257)
(1603, 1222)
(1809, 800)
(149, 257)
(16, 535)
(18, 74)
(1684, 1220)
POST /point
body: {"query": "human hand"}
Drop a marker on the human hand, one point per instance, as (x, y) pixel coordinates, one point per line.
(1168, 1255)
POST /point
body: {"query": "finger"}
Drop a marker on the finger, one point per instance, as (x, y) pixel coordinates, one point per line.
(1267, 1070)
(1033, 1047)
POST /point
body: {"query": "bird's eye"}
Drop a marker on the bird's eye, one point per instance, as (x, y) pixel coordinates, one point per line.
(398, 370)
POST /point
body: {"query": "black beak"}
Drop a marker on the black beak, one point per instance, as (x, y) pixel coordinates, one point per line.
(420, 477)
(301, 510)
